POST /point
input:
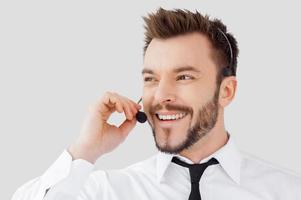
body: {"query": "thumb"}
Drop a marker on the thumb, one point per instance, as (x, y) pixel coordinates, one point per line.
(127, 126)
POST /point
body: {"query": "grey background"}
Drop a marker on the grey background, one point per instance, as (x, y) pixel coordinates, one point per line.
(58, 57)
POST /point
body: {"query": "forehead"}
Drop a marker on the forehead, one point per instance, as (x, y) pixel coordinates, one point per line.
(193, 49)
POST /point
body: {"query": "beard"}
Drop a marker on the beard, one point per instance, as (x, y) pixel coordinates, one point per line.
(206, 120)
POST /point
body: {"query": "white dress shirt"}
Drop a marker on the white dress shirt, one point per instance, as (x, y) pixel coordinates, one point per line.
(238, 176)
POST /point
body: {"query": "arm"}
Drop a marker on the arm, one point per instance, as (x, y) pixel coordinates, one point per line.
(67, 177)
(64, 178)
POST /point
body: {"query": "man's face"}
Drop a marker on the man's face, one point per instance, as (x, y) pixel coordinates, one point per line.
(180, 96)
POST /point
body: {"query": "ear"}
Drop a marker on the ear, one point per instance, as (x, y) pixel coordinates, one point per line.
(227, 90)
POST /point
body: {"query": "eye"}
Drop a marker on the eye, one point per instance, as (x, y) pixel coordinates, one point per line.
(147, 79)
(184, 77)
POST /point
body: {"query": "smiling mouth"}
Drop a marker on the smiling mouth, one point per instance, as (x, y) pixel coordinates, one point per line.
(170, 118)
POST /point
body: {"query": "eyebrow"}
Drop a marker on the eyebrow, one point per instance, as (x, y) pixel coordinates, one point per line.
(176, 70)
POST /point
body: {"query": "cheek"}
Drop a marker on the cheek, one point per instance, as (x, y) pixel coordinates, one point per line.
(146, 101)
(198, 94)
(197, 101)
(192, 97)
(195, 114)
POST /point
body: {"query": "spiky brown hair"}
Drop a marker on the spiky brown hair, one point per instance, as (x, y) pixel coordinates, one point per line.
(165, 24)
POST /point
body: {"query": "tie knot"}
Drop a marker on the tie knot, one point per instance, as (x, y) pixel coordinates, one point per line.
(195, 170)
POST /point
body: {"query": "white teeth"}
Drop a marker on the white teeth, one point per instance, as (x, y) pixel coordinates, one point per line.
(173, 117)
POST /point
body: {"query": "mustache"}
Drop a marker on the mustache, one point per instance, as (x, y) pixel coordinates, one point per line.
(171, 107)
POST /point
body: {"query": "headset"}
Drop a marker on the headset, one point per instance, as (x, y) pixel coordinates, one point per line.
(141, 116)
(227, 71)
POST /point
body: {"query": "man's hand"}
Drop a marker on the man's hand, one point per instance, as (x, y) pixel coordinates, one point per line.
(97, 137)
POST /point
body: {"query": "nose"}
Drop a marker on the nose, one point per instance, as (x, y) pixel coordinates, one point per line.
(165, 92)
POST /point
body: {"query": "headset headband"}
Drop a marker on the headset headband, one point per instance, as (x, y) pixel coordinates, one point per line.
(229, 70)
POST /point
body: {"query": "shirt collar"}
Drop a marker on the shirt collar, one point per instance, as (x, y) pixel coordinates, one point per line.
(228, 156)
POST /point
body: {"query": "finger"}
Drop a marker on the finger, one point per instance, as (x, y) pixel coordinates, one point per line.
(122, 106)
(134, 109)
(136, 105)
(127, 108)
(120, 103)
(106, 105)
(112, 102)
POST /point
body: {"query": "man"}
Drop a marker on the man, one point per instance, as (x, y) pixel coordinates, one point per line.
(189, 74)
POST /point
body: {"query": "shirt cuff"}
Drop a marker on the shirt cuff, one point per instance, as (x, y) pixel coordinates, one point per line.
(76, 172)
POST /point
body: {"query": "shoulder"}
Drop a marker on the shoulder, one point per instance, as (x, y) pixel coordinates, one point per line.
(251, 162)
(148, 163)
(268, 174)
(143, 167)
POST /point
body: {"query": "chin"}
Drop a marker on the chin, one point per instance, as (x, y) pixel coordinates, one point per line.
(169, 145)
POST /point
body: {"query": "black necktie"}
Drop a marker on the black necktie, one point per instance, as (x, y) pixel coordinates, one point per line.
(195, 171)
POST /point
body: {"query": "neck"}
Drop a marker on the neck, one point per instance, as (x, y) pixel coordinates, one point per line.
(207, 145)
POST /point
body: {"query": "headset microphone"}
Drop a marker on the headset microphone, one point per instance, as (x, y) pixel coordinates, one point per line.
(141, 116)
